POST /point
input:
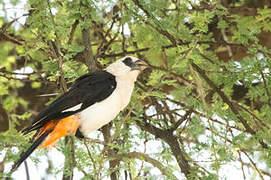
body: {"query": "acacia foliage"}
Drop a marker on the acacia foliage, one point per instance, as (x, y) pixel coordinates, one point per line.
(203, 105)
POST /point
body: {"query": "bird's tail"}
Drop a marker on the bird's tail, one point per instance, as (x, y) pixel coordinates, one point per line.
(49, 134)
(25, 154)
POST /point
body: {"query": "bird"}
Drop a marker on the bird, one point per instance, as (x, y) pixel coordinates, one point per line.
(92, 101)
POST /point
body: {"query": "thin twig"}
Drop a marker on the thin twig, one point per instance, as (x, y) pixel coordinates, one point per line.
(266, 87)
(181, 120)
(259, 122)
(26, 170)
(254, 164)
(227, 101)
(56, 51)
(91, 140)
(117, 131)
(151, 17)
(141, 156)
(91, 158)
(213, 147)
(242, 165)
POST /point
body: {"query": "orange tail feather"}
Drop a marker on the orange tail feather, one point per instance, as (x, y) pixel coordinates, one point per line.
(60, 128)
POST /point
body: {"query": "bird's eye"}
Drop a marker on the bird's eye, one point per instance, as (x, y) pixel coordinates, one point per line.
(128, 61)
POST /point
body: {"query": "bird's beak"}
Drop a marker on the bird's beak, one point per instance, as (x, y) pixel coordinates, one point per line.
(140, 65)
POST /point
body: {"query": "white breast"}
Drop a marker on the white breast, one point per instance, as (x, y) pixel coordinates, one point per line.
(101, 113)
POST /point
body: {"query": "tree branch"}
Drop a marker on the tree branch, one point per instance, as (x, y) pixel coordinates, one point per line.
(184, 117)
(158, 29)
(227, 101)
(144, 157)
(88, 54)
(171, 140)
(73, 31)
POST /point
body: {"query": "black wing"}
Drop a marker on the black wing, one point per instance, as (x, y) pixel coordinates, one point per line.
(86, 90)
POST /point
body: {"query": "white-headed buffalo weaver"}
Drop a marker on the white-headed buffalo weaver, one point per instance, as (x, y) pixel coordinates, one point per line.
(93, 100)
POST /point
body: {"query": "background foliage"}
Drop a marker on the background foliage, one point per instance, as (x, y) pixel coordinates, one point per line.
(203, 108)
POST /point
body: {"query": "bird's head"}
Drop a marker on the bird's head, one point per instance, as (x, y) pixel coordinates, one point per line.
(127, 67)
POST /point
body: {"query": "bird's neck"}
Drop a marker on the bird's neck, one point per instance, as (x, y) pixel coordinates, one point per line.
(125, 88)
(129, 77)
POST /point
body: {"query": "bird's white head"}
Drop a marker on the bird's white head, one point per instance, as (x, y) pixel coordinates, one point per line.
(128, 67)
